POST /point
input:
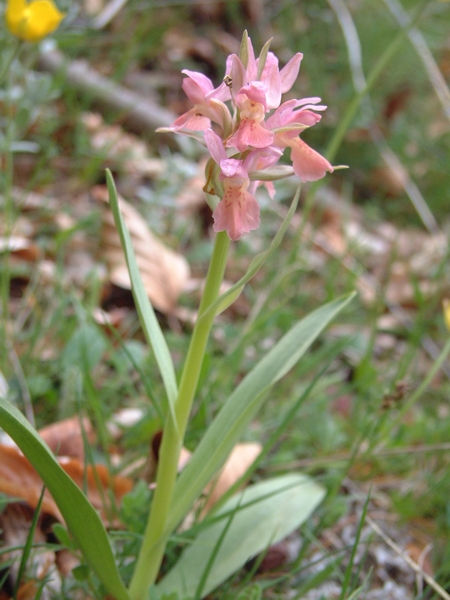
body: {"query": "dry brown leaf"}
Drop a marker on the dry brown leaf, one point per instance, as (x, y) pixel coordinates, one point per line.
(152, 463)
(20, 247)
(239, 460)
(120, 146)
(280, 554)
(192, 197)
(27, 201)
(66, 562)
(15, 524)
(110, 318)
(181, 43)
(89, 476)
(164, 272)
(28, 590)
(65, 438)
(241, 457)
(390, 179)
(19, 479)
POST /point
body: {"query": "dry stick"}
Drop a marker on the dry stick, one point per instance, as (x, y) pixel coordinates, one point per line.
(108, 13)
(409, 561)
(140, 114)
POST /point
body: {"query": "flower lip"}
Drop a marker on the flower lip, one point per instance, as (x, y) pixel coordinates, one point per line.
(255, 91)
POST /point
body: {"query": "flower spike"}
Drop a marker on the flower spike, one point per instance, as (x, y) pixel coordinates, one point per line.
(246, 142)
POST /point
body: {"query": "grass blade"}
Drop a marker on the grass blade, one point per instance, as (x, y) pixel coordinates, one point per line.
(28, 545)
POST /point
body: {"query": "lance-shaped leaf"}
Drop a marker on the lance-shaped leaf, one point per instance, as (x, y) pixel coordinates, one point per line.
(261, 515)
(241, 407)
(147, 317)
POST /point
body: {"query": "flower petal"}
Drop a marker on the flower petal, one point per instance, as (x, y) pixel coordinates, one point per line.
(237, 213)
(232, 167)
(215, 146)
(289, 72)
(14, 14)
(273, 83)
(238, 75)
(308, 164)
(196, 86)
(190, 120)
(250, 134)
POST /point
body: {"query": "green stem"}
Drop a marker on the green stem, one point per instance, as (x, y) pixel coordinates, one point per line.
(6, 185)
(155, 536)
(15, 49)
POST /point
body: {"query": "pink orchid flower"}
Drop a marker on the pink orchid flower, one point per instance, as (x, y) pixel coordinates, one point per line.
(260, 160)
(287, 122)
(238, 210)
(277, 82)
(255, 137)
(255, 97)
(251, 100)
(208, 104)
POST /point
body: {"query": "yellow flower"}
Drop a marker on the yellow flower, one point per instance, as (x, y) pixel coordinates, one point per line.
(32, 21)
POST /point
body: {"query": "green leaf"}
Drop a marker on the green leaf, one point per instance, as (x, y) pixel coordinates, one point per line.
(81, 518)
(243, 51)
(81, 572)
(63, 536)
(231, 422)
(28, 544)
(251, 592)
(262, 515)
(263, 58)
(85, 347)
(273, 173)
(147, 316)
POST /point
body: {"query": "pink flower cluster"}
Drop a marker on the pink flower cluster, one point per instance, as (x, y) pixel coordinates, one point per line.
(251, 141)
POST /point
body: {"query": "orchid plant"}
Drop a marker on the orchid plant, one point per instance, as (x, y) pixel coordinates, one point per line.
(245, 128)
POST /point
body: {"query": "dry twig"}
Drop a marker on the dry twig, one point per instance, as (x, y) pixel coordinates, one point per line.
(141, 115)
(414, 566)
